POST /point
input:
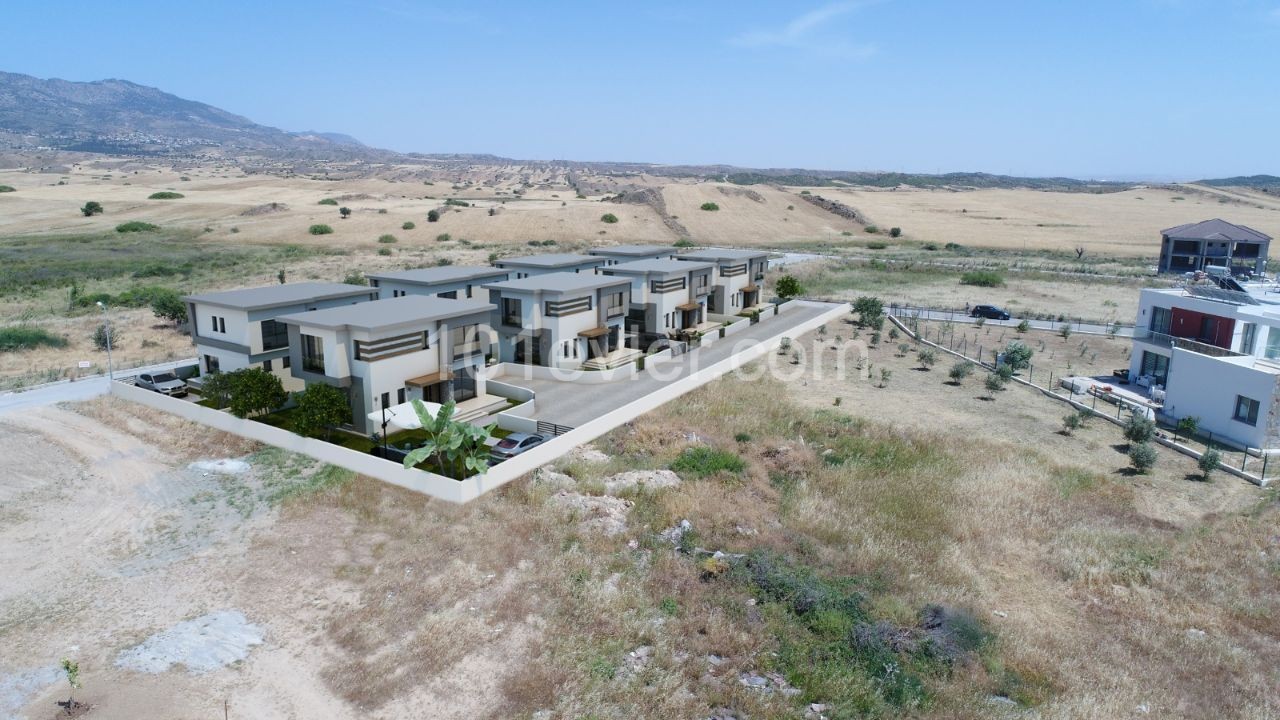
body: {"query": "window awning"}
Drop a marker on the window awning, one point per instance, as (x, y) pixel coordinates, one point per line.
(688, 307)
(595, 332)
(428, 380)
(751, 288)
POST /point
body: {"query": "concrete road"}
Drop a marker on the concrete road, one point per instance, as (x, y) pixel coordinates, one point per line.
(67, 391)
(571, 404)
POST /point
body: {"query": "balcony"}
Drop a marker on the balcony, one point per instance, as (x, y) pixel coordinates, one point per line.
(1196, 346)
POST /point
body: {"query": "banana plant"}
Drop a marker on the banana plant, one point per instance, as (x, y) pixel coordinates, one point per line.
(438, 429)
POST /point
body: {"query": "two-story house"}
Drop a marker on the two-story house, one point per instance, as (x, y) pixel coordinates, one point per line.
(739, 273)
(562, 320)
(531, 265)
(1213, 243)
(668, 297)
(448, 281)
(615, 254)
(1214, 355)
(237, 329)
(388, 352)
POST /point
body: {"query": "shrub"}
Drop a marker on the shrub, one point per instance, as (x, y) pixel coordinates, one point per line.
(136, 226)
(1023, 326)
(408, 225)
(931, 247)
(683, 243)
(355, 277)
(871, 229)
(897, 231)
(320, 230)
(26, 337)
(165, 195)
(742, 437)
(456, 202)
(1017, 355)
(7, 188)
(166, 304)
(386, 239)
(384, 251)
(993, 384)
(788, 287)
(609, 218)
(253, 391)
(959, 371)
(1188, 425)
(320, 407)
(1072, 422)
(982, 278)
(1065, 331)
(927, 358)
(328, 201)
(885, 374)
(709, 206)
(1209, 462)
(877, 245)
(703, 460)
(1005, 373)
(91, 208)
(1139, 430)
(1142, 457)
(953, 246)
(105, 335)
(345, 212)
(433, 215)
(443, 237)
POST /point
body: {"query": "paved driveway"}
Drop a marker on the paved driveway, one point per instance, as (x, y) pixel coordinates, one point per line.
(572, 404)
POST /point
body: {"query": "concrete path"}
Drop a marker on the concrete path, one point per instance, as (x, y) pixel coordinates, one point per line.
(572, 404)
(68, 391)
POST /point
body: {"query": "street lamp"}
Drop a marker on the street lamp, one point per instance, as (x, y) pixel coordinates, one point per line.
(106, 324)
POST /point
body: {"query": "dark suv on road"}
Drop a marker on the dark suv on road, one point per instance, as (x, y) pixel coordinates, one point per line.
(990, 312)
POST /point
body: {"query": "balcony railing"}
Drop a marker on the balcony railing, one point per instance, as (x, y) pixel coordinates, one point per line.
(1166, 340)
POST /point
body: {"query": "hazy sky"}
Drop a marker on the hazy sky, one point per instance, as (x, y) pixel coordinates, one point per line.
(1167, 89)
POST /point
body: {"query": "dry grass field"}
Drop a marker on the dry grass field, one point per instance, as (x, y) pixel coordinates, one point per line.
(1085, 591)
(1122, 223)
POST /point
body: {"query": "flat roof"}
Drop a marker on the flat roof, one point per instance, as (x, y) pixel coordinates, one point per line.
(278, 295)
(379, 314)
(437, 275)
(634, 250)
(560, 282)
(665, 266)
(724, 254)
(552, 260)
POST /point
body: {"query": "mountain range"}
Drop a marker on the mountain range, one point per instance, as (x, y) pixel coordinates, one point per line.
(119, 117)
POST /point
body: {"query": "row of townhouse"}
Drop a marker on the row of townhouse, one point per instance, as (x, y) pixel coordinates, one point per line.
(426, 334)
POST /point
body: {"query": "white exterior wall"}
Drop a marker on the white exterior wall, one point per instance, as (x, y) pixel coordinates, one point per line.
(1206, 387)
(389, 375)
(228, 360)
(733, 291)
(238, 326)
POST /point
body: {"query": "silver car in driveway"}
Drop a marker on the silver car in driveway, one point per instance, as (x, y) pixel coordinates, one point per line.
(512, 445)
(165, 383)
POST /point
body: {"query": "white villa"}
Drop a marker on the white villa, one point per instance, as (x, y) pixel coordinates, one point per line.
(448, 281)
(531, 265)
(615, 254)
(238, 329)
(562, 320)
(668, 297)
(736, 287)
(389, 352)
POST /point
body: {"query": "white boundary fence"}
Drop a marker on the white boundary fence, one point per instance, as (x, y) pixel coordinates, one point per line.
(461, 491)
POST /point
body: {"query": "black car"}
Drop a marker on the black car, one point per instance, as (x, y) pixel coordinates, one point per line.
(991, 312)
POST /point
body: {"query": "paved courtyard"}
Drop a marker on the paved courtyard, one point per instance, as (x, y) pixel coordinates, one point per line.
(572, 404)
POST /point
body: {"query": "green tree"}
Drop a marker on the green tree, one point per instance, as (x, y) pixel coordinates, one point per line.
(433, 215)
(1072, 422)
(1017, 355)
(959, 371)
(71, 669)
(345, 212)
(870, 311)
(320, 407)
(927, 358)
(885, 374)
(1142, 457)
(1139, 429)
(216, 388)
(1023, 326)
(993, 384)
(166, 304)
(1209, 462)
(1188, 425)
(254, 391)
(895, 232)
(91, 208)
(788, 287)
(105, 335)
(462, 445)
(1065, 331)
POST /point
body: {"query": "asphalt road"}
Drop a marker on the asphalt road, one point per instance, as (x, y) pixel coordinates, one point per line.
(68, 391)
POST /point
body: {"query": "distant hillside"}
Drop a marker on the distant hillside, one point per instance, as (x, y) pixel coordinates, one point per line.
(121, 117)
(1262, 182)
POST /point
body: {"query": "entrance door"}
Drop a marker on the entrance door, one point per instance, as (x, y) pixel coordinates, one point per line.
(437, 393)
(464, 385)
